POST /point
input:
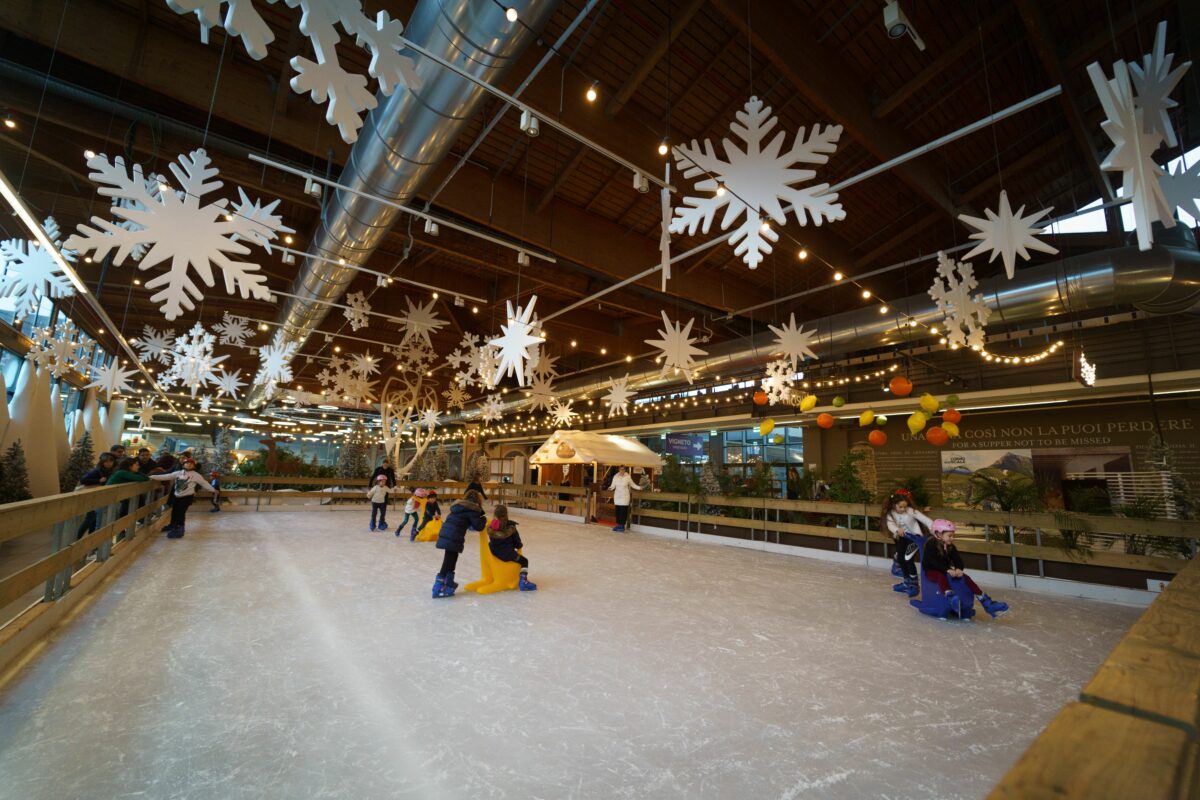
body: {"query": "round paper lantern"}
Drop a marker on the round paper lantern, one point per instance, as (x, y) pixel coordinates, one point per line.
(808, 403)
(877, 438)
(777, 438)
(937, 436)
(866, 418)
(900, 386)
(825, 420)
(839, 401)
(951, 415)
(952, 400)
(916, 422)
(881, 420)
(760, 398)
(928, 403)
(765, 427)
(951, 429)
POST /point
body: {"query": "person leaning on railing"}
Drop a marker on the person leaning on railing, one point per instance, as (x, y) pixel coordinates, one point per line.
(93, 478)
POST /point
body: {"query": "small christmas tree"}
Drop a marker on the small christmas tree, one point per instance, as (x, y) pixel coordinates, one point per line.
(479, 468)
(423, 468)
(14, 477)
(223, 457)
(709, 485)
(82, 458)
(441, 463)
(352, 463)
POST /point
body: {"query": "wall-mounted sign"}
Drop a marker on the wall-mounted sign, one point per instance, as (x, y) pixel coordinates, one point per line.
(689, 445)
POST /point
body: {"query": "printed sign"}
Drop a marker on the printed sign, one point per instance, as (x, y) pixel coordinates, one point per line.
(688, 445)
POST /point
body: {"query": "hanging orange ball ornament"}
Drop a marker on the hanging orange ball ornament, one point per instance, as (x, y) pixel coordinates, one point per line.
(760, 398)
(900, 386)
(937, 436)
(877, 438)
(825, 420)
(951, 415)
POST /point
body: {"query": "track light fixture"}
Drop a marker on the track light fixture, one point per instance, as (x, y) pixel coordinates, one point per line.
(641, 182)
(898, 24)
(529, 123)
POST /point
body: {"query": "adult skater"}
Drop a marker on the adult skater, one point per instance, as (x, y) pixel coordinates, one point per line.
(384, 469)
(903, 521)
(622, 487)
(465, 514)
(942, 562)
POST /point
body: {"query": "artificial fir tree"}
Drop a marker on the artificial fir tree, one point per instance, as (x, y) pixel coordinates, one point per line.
(423, 468)
(710, 486)
(479, 468)
(352, 463)
(14, 477)
(82, 458)
(223, 457)
(441, 463)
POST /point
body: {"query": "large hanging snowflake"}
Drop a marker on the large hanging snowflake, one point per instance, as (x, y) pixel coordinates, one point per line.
(1154, 81)
(29, 272)
(193, 362)
(619, 395)
(179, 229)
(677, 349)
(492, 409)
(1132, 154)
(325, 79)
(755, 184)
(541, 393)
(155, 345)
(777, 382)
(233, 330)
(966, 314)
(59, 350)
(357, 310)
(420, 320)
(458, 359)
(275, 362)
(112, 380)
(455, 396)
(793, 342)
(514, 344)
(1007, 235)
(562, 414)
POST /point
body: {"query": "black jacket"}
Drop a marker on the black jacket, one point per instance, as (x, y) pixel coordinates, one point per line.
(938, 559)
(96, 476)
(432, 509)
(463, 515)
(477, 487)
(505, 542)
(387, 472)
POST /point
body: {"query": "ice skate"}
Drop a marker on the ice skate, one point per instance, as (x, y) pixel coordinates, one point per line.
(901, 587)
(994, 607)
(897, 570)
(525, 585)
(439, 587)
(372, 526)
(449, 585)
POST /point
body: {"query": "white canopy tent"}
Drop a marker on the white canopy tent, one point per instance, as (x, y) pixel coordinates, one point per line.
(585, 447)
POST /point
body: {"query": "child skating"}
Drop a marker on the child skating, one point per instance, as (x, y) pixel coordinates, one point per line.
(186, 482)
(900, 519)
(942, 563)
(466, 514)
(214, 482)
(432, 511)
(412, 509)
(504, 541)
(378, 495)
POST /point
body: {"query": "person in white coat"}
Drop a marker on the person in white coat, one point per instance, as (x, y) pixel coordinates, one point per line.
(622, 487)
(186, 481)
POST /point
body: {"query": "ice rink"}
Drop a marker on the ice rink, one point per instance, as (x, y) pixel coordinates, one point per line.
(297, 655)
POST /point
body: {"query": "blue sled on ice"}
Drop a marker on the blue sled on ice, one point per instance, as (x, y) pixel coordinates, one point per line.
(958, 603)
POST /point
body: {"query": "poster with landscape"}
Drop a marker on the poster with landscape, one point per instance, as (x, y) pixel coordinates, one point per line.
(959, 465)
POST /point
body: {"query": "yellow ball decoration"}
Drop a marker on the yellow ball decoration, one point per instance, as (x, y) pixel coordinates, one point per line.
(808, 403)
(950, 428)
(866, 418)
(766, 426)
(929, 404)
(777, 438)
(916, 422)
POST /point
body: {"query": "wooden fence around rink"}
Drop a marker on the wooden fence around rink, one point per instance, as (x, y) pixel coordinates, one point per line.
(1134, 730)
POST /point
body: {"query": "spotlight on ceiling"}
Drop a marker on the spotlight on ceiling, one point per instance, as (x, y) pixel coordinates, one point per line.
(663, 147)
(432, 228)
(529, 123)
(593, 92)
(641, 182)
(510, 14)
(898, 24)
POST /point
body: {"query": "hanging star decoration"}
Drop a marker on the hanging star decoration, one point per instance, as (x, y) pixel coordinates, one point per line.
(177, 228)
(112, 380)
(455, 396)
(966, 314)
(146, 414)
(228, 383)
(357, 310)
(541, 393)
(544, 367)
(1133, 151)
(777, 382)
(420, 320)
(205, 403)
(1181, 188)
(29, 272)
(755, 184)
(155, 345)
(1154, 81)
(513, 344)
(562, 414)
(1007, 235)
(792, 342)
(491, 408)
(678, 352)
(233, 330)
(619, 395)
(429, 418)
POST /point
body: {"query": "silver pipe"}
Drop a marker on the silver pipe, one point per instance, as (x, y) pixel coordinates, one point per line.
(404, 139)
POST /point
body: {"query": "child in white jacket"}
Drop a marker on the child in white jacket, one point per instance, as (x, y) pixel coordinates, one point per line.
(378, 495)
(186, 482)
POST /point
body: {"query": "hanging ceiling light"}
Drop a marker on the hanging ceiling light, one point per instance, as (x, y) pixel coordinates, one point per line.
(510, 14)
(593, 92)
(663, 147)
(720, 189)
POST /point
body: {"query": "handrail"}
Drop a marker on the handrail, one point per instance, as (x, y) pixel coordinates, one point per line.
(26, 516)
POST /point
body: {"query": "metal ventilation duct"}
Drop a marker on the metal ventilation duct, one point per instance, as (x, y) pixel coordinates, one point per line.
(403, 140)
(1162, 280)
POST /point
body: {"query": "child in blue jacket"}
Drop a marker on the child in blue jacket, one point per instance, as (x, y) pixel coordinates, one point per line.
(465, 514)
(504, 541)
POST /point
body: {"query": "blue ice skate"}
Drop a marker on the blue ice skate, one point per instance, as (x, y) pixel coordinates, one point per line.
(897, 570)
(525, 585)
(996, 608)
(439, 588)
(372, 526)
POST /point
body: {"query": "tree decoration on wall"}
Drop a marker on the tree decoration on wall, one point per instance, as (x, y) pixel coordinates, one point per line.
(755, 184)
(792, 342)
(678, 352)
(176, 227)
(409, 392)
(357, 310)
(455, 396)
(1133, 150)
(562, 414)
(619, 395)
(112, 379)
(541, 393)
(155, 345)
(966, 314)
(1154, 81)
(777, 382)
(1007, 235)
(492, 409)
(233, 330)
(420, 320)
(193, 361)
(517, 339)
(325, 79)
(29, 273)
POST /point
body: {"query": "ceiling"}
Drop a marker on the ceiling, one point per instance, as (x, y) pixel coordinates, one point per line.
(130, 77)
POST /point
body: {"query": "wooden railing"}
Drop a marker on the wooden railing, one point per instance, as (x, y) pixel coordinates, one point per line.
(1133, 732)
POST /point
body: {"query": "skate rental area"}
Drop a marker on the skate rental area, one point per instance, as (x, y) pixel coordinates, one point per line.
(598, 399)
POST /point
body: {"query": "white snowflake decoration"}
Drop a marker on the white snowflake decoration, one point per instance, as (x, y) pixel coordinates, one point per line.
(562, 414)
(1181, 188)
(193, 362)
(777, 382)
(455, 396)
(275, 362)
(357, 310)
(756, 183)
(1132, 154)
(228, 383)
(28, 272)
(1007, 235)
(325, 79)
(544, 367)
(59, 350)
(966, 314)
(678, 352)
(156, 345)
(417, 354)
(112, 379)
(429, 419)
(514, 344)
(364, 364)
(177, 228)
(146, 414)
(1154, 81)
(420, 320)
(793, 342)
(491, 409)
(619, 395)
(205, 403)
(233, 330)
(458, 359)
(541, 393)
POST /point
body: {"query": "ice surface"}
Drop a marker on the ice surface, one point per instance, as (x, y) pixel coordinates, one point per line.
(296, 655)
